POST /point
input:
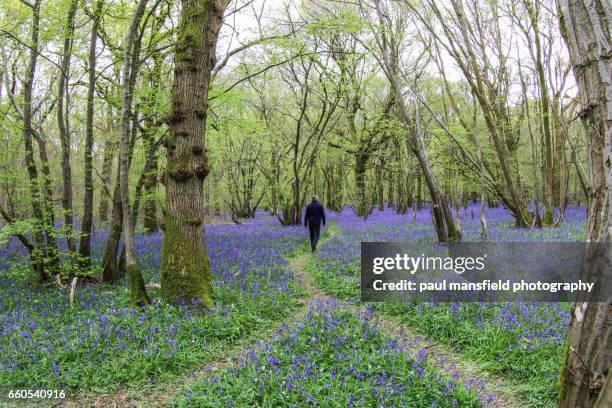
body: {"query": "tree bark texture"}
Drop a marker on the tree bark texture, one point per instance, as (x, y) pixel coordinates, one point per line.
(586, 26)
(186, 274)
(63, 127)
(138, 292)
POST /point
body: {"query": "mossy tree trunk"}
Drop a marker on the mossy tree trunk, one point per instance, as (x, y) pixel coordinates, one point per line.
(186, 271)
(585, 376)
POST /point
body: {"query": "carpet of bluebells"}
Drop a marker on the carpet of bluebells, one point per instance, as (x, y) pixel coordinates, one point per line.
(523, 342)
(333, 358)
(102, 342)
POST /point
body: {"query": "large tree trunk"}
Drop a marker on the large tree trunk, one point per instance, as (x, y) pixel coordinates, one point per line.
(186, 273)
(87, 221)
(138, 292)
(63, 126)
(586, 27)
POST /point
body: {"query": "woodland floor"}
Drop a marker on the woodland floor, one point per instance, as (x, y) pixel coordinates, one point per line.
(160, 394)
(299, 290)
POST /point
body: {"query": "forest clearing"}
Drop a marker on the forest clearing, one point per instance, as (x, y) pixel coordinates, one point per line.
(192, 192)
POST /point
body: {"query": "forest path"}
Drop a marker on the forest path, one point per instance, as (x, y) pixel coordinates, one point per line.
(443, 357)
(159, 393)
(298, 265)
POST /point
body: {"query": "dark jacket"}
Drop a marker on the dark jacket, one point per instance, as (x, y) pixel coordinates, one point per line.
(315, 214)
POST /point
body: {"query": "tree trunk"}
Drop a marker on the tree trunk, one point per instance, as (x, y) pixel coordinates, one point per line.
(380, 181)
(107, 168)
(87, 221)
(150, 181)
(363, 205)
(110, 269)
(39, 240)
(63, 126)
(138, 293)
(390, 191)
(52, 257)
(442, 216)
(150, 200)
(274, 182)
(560, 181)
(585, 26)
(296, 211)
(496, 128)
(186, 273)
(419, 193)
(546, 118)
(400, 208)
(484, 234)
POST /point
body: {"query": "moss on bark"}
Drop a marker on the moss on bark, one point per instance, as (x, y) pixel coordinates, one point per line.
(139, 295)
(563, 374)
(186, 274)
(548, 217)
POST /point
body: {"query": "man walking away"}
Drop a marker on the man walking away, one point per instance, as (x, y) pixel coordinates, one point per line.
(315, 214)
